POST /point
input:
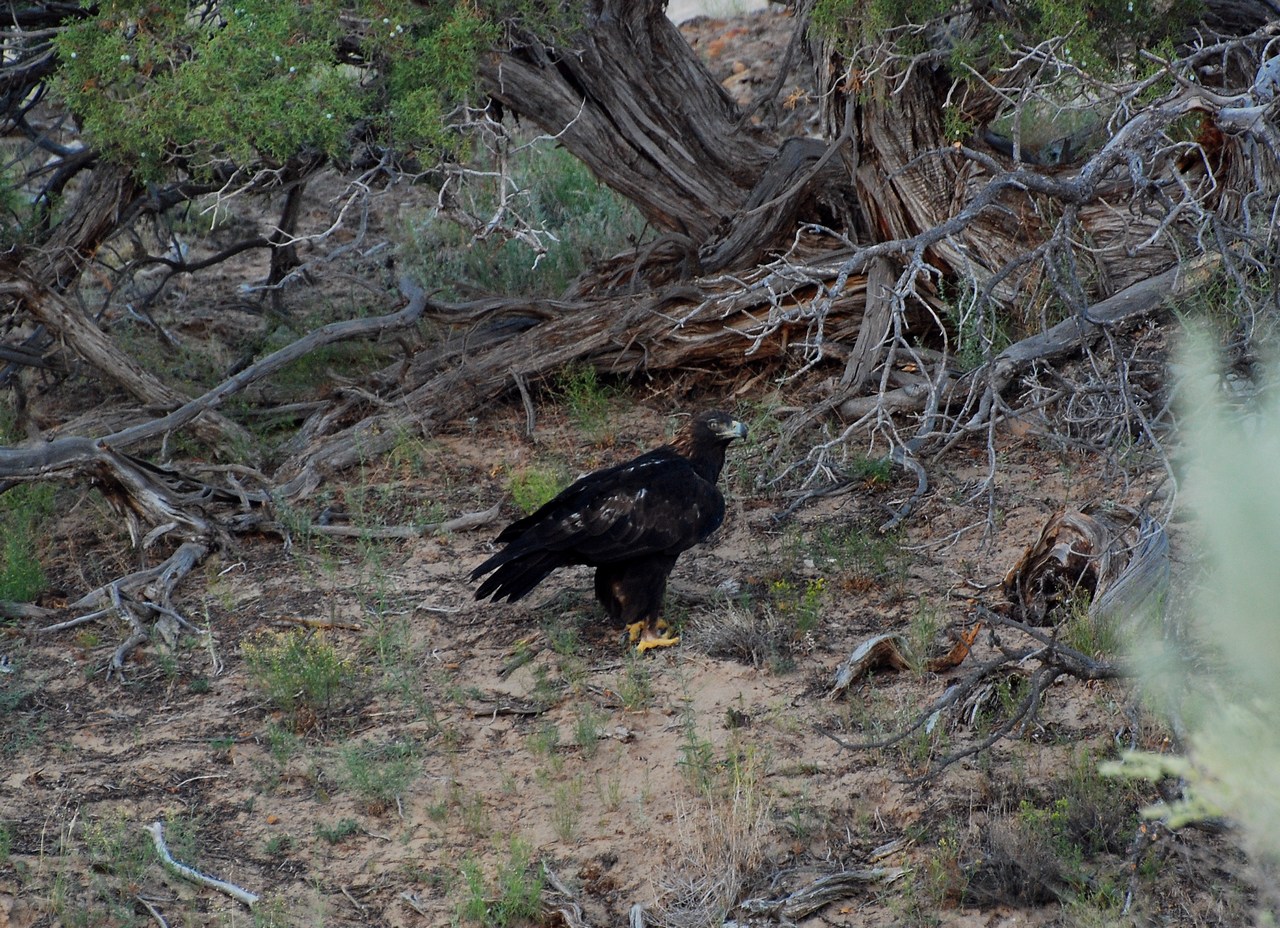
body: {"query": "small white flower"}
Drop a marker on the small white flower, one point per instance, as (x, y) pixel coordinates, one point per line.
(328, 115)
(124, 57)
(386, 21)
(292, 69)
(277, 58)
(73, 54)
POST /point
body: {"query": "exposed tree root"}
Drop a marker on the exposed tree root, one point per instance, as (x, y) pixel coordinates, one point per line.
(158, 502)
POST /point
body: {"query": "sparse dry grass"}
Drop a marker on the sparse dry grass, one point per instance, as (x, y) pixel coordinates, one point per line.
(723, 840)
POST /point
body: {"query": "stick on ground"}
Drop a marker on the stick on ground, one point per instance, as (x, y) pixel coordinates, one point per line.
(156, 830)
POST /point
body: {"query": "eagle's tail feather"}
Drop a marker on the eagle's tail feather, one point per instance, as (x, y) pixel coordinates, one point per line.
(513, 578)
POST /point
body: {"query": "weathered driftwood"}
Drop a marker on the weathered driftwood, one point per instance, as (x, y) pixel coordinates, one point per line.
(822, 891)
(1115, 557)
(506, 340)
(1068, 337)
(158, 502)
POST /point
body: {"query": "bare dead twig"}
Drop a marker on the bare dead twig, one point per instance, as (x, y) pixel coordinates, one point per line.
(156, 830)
(1055, 660)
(463, 523)
(559, 901)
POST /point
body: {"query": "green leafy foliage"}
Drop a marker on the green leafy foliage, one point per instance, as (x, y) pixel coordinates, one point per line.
(160, 84)
(1227, 688)
(379, 773)
(582, 221)
(300, 673)
(338, 831)
(587, 398)
(1100, 34)
(22, 512)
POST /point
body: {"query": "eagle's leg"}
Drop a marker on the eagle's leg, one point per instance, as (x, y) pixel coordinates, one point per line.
(636, 629)
(632, 594)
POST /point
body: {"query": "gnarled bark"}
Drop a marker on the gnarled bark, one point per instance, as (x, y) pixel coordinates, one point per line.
(627, 96)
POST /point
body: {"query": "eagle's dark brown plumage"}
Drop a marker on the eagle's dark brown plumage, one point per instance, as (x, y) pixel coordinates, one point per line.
(630, 522)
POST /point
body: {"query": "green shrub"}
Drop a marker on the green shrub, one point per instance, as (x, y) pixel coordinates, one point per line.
(23, 510)
(588, 399)
(379, 773)
(149, 81)
(582, 221)
(299, 672)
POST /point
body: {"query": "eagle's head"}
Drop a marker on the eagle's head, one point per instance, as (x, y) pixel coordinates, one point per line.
(704, 440)
(717, 425)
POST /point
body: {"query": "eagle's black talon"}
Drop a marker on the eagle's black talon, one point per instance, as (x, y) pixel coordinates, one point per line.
(630, 522)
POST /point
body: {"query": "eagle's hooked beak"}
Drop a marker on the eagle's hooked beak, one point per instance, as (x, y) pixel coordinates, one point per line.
(731, 429)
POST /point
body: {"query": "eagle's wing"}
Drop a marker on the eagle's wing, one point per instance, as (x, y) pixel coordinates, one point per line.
(656, 503)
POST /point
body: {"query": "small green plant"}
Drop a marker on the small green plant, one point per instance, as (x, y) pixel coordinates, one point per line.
(545, 739)
(866, 558)
(513, 897)
(397, 659)
(1095, 635)
(300, 672)
(937, 883)
(379, 773)
(278, 845)
(610, 792)
(802, 603)
(697, 757)
(546, 691)
(635, 686)
(918, 748)
(566, 809)
(765, 633)
(338, 831)
(282, 742)
(475, 907)
(588, 399)
(23, 509)
(922, 633)
(116, 846)
(586, 729)
(530, 487)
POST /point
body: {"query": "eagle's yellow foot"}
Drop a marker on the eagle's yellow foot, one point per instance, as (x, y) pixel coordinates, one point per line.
(662, 642)
(644, 637)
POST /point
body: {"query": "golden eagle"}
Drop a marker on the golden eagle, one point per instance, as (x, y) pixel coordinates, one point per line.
(630, 522)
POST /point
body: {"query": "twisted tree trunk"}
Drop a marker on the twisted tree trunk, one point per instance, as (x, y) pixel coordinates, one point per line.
(630, 99)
